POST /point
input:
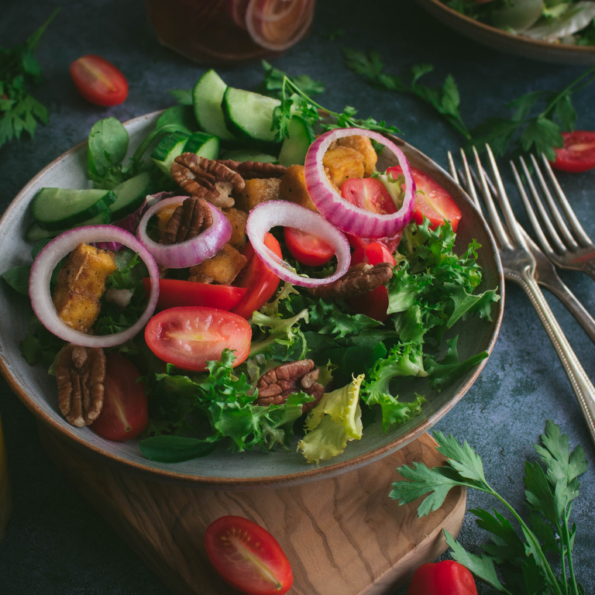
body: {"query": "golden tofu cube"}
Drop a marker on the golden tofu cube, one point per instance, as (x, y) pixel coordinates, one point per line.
(342, 163)
(256, 192)
(293, 188)
(363, 145)
(223, 268)
(81, 283)
(238, 220)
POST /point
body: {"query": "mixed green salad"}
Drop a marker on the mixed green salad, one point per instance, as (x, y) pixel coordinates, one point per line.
(555, 21)
(256, 278)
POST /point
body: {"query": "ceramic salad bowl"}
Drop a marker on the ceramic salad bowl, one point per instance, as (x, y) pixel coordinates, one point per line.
(224, 469)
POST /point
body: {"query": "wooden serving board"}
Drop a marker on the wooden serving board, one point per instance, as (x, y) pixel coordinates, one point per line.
(343, 536)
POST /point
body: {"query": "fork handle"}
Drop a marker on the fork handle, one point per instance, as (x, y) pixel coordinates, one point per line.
(561, 291)
(582, 386)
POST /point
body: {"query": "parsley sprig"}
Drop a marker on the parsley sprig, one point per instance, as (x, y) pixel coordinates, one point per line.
(551, 486)
(19, 110)
(295, 100)
(529, 129)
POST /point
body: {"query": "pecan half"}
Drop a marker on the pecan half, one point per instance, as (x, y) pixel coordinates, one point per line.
(255, 169)
(192, 217)
(358, 280)
(276, 385)
(80, 373)
(206, 179)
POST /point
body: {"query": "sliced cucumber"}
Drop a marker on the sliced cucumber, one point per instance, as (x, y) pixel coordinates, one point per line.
(207, 96)
(130, 195)
(55, 209)
(205, 145)
(247, 155)
(36, 233)
(249, 116)
(295, 147)
(168, 149)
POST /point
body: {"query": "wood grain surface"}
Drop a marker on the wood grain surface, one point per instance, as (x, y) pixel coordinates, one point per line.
(343, 536)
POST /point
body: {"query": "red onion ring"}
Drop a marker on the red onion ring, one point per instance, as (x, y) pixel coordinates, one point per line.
(287, 214)
(278, 31)
(189, 253)
(340, 212)
(52, 254)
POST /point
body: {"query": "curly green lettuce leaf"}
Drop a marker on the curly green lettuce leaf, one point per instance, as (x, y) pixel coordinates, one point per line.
(282, 339)
(450, 368)
(402, 360)
(336, 420)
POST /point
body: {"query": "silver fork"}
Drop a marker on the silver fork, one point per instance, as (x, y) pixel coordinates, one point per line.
(545, 272)
(565, 250)
(519, 265)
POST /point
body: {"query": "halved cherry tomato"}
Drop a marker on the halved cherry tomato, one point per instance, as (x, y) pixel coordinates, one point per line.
(189, 337)
(375, 303)
(307, 248)
(369, 194)
(99, 81)
(578, 153)
(174, 293)
(372, 195)
(124, 415)
(259, 281)
(432, 201)
(248, 557)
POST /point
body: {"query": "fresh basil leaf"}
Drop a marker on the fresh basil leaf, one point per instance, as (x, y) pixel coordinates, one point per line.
(108, 145)
(175, 449)
(18, 278)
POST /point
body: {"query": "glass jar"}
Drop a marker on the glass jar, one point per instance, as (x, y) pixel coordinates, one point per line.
(229, 31)
(5, 496)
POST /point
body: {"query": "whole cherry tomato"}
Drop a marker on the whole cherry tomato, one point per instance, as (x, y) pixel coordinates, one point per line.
(99, 81)
(443, 578)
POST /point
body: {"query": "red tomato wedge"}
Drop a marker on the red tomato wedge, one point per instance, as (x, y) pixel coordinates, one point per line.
(248, 557)
(307, 248)
(259, 281)
(174, 293)
(375, 303)
(578, 153)
(189, 337)
(99, 81)
(370, 194)
(431, 201)
(124, 415)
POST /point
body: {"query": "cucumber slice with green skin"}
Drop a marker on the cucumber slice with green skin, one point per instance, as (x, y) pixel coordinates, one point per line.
(130, 195)
(205, 145)
(168, 149)
(55, 209)
(242, 155)
(295, 147)
(36, 233)
(207, 96)
(249, 116)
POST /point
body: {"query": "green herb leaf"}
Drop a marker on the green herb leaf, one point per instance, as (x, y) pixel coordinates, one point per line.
(174, 449)
(108, 144)
(182, 96)
(18, 278)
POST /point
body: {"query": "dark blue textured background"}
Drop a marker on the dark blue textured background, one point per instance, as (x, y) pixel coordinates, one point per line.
(56, 543)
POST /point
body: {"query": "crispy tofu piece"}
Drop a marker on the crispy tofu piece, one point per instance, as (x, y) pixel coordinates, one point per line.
(164, 215)
(363, 145)
(81, 283)
(342, 163)
(223, 268)
(256, 192)
(293, 188)
(238, 220)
